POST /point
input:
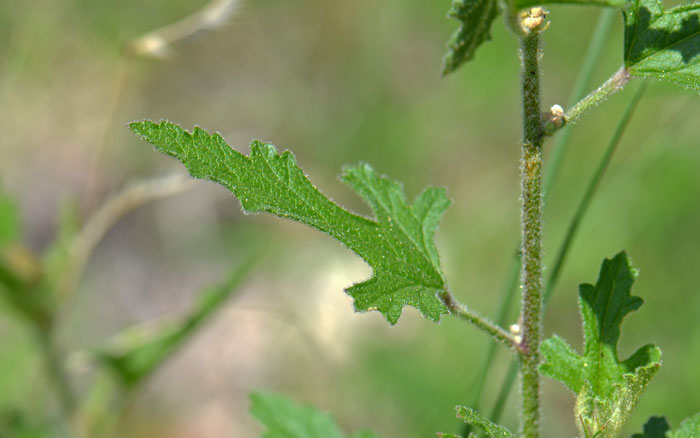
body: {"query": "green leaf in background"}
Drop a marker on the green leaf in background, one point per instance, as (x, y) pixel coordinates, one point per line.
(475, 17)
(398, 244)
(663, 44)
(607, 389)
(521, 4)
(9, 220)
(689, 428)
(284, 418)
(470, 416)
(9, 232)
(137, 352)
(655, 427)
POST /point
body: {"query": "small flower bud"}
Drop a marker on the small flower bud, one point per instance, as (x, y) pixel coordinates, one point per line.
(517, 333)
(554, 120)
(534, 20)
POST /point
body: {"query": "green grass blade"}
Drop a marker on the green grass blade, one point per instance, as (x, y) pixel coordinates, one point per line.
(136, 354)
(590, 192)
(581, 85)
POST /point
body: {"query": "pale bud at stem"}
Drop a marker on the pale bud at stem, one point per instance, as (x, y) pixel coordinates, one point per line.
(554, 119)
(534, 20)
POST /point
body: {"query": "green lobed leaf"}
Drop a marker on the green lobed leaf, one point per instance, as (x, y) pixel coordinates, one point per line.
(663, 44)
(397, 244)
(655, 427)
(470, 416)
(607, 389)
(689, 428)
(475, 17)
(283, 418)
(137, 352)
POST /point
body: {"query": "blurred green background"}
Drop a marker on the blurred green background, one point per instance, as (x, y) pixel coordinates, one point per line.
(336, 83)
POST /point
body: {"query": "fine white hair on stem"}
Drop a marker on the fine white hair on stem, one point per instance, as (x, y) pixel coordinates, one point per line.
(158, 43)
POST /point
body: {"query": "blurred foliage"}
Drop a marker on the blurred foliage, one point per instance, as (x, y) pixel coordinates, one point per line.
(337, 82)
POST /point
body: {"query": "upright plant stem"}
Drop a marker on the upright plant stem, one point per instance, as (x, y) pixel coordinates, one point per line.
(531, 217)
(55, 370)
(571, 234)
(556, 158)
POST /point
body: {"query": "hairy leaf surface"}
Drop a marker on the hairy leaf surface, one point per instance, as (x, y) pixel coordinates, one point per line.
(663, 44)
(689, 428)
(475, 17)
(470, 416)
(607, 388)
(283, 418)
(397, 244)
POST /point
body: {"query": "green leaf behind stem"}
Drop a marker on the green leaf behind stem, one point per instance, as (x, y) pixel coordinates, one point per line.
(475, 17)
(663, 44)
(397, 244)
(607, 388)
(655, 427)
(283, 418)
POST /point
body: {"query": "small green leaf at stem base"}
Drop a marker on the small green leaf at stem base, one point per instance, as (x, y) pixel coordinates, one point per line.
(607, 389)
(397, 243)
(663, 43)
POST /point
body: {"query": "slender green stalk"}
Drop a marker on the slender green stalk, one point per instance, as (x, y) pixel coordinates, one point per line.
(59, 378)
(507, 297)
(508, 381)
(571, 234)
(458, 309)
(531, 216)
(614, 84)
(583, 80)
(590, 192)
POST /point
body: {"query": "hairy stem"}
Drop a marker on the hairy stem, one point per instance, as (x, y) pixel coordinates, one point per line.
(531, 217)
(555, 161)
(614, 84)
(559, 262)
(458, 309)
